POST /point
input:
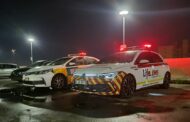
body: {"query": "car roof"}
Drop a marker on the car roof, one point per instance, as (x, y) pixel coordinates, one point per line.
(7, 64)
(72, 57)
(139, 51)
(76, 57)
(40, 60)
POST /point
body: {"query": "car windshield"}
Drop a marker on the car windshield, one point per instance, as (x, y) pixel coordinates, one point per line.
(59, 61)
(122, 57)
(39, 63)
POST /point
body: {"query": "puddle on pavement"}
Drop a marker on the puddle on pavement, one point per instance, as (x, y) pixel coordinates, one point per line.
(83, 104)
(20, 94)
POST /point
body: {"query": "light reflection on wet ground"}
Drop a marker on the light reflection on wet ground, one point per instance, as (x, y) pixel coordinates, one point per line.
(148, 101)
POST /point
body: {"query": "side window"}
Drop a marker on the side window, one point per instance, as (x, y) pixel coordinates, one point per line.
(7, 66)
(77, 61)
(144, 56)
(156, 58)
(89, 60)
(11, 66)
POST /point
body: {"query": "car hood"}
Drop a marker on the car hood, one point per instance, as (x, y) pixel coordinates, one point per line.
(102, 68)
(40, 68)
(22, 69)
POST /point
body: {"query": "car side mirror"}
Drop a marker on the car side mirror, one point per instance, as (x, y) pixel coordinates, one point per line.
(144, 61)
(72, 64)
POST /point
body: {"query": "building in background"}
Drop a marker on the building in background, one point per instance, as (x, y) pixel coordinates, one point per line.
(186, 48)
(179, 49)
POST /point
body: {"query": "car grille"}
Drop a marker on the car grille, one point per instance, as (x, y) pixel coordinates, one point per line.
(34, 82)
(92, 88)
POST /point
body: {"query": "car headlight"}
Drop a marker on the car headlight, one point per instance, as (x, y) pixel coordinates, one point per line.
(108, 75)
(45, 71)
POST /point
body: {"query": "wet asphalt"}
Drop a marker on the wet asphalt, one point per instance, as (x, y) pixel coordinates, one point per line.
(152, 104)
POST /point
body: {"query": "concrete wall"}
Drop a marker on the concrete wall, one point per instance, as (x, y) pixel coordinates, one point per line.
(176, 50)
(166, 51)
(180, 68)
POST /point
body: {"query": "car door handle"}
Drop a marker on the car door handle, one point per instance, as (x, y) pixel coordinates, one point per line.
(135, 68)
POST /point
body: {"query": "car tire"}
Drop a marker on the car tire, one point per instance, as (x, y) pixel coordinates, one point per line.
(128, 86)
(58, 82)
(166, 81)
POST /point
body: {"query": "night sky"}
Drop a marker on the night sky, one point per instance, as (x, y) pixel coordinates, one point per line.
(94, 26)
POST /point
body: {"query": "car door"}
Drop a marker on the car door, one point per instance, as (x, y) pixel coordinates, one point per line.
(157, 69)
(89, 61)
(1, 69)
(74, 64)
(6, 70)
(143, 69)
(9, 68)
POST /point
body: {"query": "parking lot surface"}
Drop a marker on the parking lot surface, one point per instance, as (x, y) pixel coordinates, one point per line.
(153, 104)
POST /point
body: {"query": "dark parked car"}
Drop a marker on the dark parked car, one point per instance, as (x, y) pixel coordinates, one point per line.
(17, 74)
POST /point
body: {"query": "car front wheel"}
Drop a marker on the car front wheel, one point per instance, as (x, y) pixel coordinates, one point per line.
(166, 81)
(128, 86)
(58, 82)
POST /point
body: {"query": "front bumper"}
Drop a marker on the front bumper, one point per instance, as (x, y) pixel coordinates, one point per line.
(43, 80)
(99, 86)
(99, 89)
(93, 88)
(16, 77)
(39, 83)
(5, 75)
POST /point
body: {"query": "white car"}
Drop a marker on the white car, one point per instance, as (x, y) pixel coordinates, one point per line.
(122, 73)
(57, 74)
(6, 69)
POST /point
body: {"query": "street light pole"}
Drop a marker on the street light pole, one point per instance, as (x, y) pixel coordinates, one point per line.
(123, 14)
(123, 30)
(31, 49)
(31, 58)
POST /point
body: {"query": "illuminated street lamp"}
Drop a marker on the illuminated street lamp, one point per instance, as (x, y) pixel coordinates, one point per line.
(31, 40)
(123, 14)
(13, 51)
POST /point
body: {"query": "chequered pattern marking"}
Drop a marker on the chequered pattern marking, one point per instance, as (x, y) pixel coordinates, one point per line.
(114, 84)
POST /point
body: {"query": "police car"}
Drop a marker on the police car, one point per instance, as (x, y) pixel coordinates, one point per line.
(123, 73)
(57, 74)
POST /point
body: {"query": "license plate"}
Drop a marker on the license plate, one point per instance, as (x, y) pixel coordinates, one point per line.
(81, 82)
